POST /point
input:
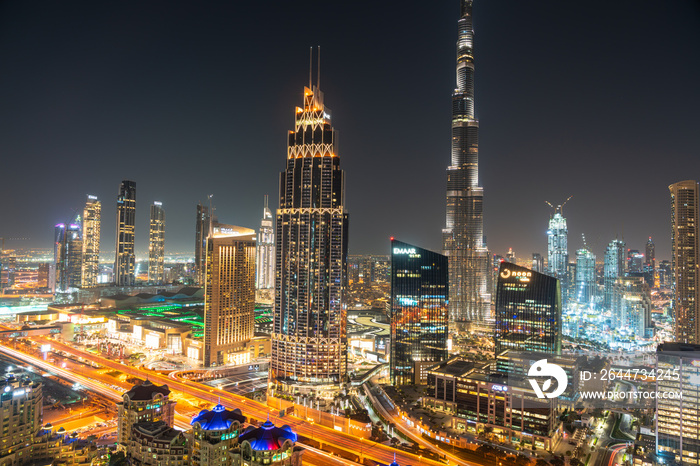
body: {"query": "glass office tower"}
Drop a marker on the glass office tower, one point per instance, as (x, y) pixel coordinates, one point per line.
(309, 337)
(419, 311)
(528, 311)
(156, 244)
(92, 214)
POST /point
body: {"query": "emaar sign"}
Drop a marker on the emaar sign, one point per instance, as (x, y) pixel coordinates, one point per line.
(404, 251)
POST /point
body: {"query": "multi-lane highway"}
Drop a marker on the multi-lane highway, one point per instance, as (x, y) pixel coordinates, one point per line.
(254, 410)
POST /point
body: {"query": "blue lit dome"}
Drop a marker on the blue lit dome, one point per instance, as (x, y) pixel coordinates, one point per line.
(268, 437)
(218, 418)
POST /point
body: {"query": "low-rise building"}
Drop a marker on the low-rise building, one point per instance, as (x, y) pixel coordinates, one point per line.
(146, 402)
(157, 444)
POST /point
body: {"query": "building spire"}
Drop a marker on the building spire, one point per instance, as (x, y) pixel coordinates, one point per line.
(318, 78)
(311, 64)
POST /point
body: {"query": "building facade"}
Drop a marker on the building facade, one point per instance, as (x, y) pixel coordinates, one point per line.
(419, 312)
(528, 311)
(677, 427)
(650, 263)
(685, 257)
(202, 226)
(143, 403)
(586, 285)
(309, 338)
(229, 295)
(463, 235)
(125, 260)
(631, 306)
(492, 404)
(156, 245)
(214, 436)
(613, 268)
(538, 263)
(68, 256)
(92, 218)
(265, 265)
(157, 444)
(20, 414)
(558, 250)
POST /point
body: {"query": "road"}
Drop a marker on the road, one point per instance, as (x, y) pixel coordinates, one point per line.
(254, 410)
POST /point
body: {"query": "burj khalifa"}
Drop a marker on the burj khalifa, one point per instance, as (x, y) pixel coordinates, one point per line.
(463, 235)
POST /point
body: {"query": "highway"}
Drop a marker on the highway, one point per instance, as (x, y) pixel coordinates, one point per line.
(252, 409)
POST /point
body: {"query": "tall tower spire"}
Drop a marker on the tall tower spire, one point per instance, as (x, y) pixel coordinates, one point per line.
(463, 234)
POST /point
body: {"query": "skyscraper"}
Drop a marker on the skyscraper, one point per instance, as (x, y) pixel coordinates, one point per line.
(419, 313)
(156, 244)
(585, 277)
(92, 215)
(650, 263)
(635, 262)
(537, 262)
(125, 260)
(613, 268)
(558, 249)
(68, 255)
(684, 255)
(528, 311)
(463, 235)
(229, 295)
(631, 306)
(265, 269)
(309, 337)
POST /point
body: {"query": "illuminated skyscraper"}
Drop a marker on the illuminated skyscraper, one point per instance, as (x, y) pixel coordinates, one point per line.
(685, 257)
(202, 226)
(309, 337)
(631, 306)
(92, 215)
(557, 249)
(229, 295)
(635, 262)
(156, 244)
(265, 265)
(585, 277)
(650, 263)
(463, 235)
(537, 262)
(419, 314)
(68, 255)
(613, 268)
(125, 260)
(528, 311)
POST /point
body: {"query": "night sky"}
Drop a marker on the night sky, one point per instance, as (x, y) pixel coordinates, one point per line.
(594, 99)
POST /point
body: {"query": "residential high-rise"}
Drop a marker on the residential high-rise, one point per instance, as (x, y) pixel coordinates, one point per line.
(309, 337)
(202, 227)
(537, 262)
(558, 250)
(510, 256)
(156, 244)
(677, 411)
(463, 235)
(528, 311)
(146, 402)
(419, 312)
(685, 250)
(68, 255)
(613, 268)
(650, 263)
(265, 265)
(229, 295)
(92, 215)
(586, 286)
(125, 260)
(20, 415)
(631, 306)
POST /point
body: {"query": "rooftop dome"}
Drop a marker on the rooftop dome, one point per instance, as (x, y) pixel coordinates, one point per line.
(268, 437)
(218, 418)
(146, 391)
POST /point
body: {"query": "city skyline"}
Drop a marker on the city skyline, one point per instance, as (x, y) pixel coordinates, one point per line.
(508, 141)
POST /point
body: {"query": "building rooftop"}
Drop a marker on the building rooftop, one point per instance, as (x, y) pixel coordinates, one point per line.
(267, 437)
(669, 346)
(146, 391)
(454, 367)
(219, 418)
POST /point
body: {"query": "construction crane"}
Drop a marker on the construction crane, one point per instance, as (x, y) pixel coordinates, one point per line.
(558, 209)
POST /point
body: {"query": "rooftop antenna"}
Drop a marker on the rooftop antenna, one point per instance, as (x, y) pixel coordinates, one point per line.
(311, 63)
(211, 215)
(266, 201)
(585, 246)
(318, 79)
